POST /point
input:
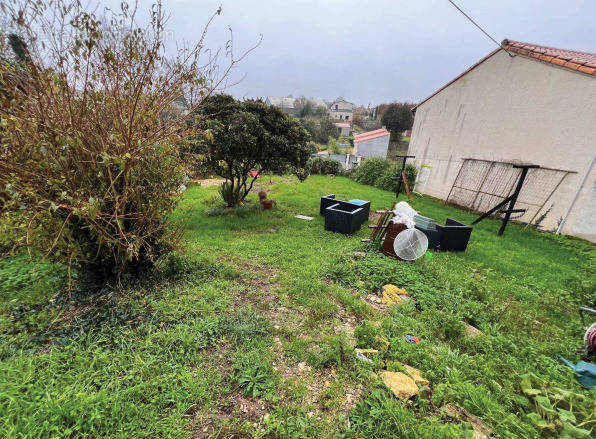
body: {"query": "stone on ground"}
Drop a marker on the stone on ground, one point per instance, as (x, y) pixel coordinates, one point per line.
(416, 375)
(400, 384)
(472, 331)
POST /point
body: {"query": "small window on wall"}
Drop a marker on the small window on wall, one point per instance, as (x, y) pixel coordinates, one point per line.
(340, 117)
(336, 107)
(347, 117)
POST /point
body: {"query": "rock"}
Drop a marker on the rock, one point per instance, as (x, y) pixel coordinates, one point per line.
(416, 375)
(400, 384)
(359, 255)
(481, 430)
(472, 331)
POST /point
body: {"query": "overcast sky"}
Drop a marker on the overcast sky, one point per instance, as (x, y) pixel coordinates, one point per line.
(373, 51)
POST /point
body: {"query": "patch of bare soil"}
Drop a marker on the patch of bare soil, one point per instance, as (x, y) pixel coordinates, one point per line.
(226, 417)
(206, 182)
(261, 290)
(318, 381)
(375, 301)
(225, 420)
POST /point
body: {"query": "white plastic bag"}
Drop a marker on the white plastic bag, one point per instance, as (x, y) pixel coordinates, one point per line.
(404, 209)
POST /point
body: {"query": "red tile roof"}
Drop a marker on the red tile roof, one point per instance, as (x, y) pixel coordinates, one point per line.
(581, 61)
(584, 62)
(371, 135)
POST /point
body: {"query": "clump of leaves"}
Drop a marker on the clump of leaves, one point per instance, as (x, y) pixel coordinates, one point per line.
(333, 350)
(558, 412)
(380, 414)
(254, 373)
(290, 423)
(245, 326)
(323, 166)
(342, 271)
(366, 335)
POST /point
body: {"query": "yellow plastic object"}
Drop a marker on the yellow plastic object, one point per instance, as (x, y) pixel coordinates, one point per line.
(391, 294)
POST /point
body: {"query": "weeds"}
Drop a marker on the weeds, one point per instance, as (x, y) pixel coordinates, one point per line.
(190, 335)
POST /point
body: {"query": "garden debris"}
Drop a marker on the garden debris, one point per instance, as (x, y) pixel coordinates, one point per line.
(304, 217)
(359, 255)
(585, 373)
(400, 384)
(393, 295)
(367, 351)
(416, 375)
(360, 354)
(411, 339)
(481, 430)
(472, 331)
(363, 357)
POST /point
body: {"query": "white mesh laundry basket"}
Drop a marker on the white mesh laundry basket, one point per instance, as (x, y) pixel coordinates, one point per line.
(410, 244)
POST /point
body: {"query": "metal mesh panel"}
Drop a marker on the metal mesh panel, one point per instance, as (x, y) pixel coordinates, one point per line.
(481, 184)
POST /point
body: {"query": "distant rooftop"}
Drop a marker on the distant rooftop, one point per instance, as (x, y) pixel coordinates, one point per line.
(369, 135)
(282, 102)
(287, 102)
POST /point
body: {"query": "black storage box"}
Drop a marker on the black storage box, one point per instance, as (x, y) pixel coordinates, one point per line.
(343, 217)
(454, 236)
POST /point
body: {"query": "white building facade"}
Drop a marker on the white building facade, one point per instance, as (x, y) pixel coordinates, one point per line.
(520, 104)
(341, 109)
(372, 144)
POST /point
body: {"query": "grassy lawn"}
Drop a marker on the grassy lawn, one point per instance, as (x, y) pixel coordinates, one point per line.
(251, 332)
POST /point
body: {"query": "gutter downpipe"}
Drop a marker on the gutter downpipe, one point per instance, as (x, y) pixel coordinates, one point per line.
(581, 186)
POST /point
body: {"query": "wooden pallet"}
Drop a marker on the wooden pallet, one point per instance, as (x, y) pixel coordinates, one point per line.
(379, 229)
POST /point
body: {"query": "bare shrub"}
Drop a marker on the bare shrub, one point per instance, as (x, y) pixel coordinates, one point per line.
(91, 123)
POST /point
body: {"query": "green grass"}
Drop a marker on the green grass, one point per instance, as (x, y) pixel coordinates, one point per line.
(250, 332)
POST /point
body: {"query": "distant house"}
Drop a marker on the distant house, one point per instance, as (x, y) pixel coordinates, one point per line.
(287, 104)
(343, 128)
(372, 143)
(341, 109)
(522, 103)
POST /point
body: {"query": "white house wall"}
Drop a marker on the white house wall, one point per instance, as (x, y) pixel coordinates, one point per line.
(373, 148)
(514, 109)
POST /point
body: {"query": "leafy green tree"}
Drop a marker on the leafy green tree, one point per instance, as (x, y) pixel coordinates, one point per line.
(248, 136)
(326, 130)
(398, 118)
(306, 107)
